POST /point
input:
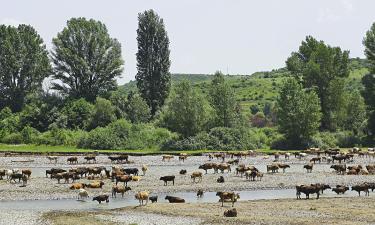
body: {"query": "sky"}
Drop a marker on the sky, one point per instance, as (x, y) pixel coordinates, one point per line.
(234, 36)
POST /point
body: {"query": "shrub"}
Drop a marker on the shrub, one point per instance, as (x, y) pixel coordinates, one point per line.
(13, 138)
(100, 138)
(29, 135)
(58, 136)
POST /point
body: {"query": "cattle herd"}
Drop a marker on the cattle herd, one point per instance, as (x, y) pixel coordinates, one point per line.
(219, 163)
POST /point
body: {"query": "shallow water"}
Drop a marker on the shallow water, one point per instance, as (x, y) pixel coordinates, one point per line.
(129, 200)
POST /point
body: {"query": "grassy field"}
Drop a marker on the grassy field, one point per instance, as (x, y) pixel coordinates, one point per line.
(44, 149)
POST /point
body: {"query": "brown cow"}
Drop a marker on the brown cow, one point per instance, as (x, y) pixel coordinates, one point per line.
(231, 196)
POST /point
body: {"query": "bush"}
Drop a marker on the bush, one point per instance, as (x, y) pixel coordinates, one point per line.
(13, 138)
(100, 138)
(29, 135)
(223, 138)
(58, 136)
(123, 135)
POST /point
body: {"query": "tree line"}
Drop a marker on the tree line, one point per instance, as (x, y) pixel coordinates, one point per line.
(317, 106)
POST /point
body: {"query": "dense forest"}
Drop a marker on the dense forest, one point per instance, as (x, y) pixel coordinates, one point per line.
(321, 98)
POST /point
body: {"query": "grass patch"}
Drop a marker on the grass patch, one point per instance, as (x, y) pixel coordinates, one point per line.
(44, 149)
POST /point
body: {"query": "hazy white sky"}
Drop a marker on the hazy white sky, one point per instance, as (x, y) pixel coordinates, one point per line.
(238, 36)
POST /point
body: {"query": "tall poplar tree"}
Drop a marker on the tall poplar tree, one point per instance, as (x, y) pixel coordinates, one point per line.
(153, 77)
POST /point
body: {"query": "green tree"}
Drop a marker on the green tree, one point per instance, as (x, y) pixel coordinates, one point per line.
(78, 114)
(368, 94)
(187, 112)
(119, 101)
(356, 113)
(368, 80)
(137, 109)
(298, 113)
(103, 114)
(223, 101)
(321, 66)
(86, 59)
(24, 64)
(153, 77)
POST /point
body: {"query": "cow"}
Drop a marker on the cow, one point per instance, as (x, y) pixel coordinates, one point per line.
(167, 178)
(307, 190)
(231, 196)
(173, 199)
(101, 198)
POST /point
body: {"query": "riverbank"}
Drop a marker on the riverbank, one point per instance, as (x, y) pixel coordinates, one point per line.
(341, 211)
(46, 149)
(40, 187)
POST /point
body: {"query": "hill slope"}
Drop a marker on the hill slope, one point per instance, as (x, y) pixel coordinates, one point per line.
(259, 87)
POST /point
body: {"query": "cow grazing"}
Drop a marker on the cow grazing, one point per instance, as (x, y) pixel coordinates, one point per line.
(119, 189)
(283, 166)
(124, 178)
(167, 157)
(340, 189)
(361, 187)
(83, 194)
(307, 190)
(224, 166)
(52, 159)
(308, 167)
(26, 172)
(167, 178)
(339, 168)
(153, 199)
(225, 196)
(142, 196)
(90, 158)
(208, 166)
(144, 169)
(72, 160)
(196, 175)
(316, 159)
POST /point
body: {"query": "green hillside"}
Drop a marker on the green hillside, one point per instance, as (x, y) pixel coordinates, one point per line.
(259, 87)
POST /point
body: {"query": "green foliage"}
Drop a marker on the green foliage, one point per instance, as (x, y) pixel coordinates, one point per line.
(123, 135)
(58, 136)
(298, 113)
(223, 101)
(356, 113)
(259, 120)
(119, 101)
(321, 66)
(103, 114)
(153, 77)
(41, 110)
(368, 42)
(8, 125)
(5, 113)
(368, 94)
(13, 138)
(78, 114)
(86, 59)
(224, 138)
(137, 109)
(29, 135)
(23, 65)
(187, 112)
